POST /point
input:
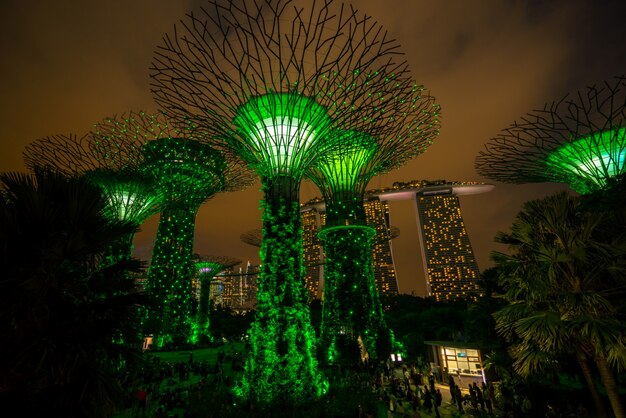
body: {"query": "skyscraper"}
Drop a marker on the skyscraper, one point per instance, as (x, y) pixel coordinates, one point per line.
(235, 288)
(312, 251)
(450, 268)
(377, 214)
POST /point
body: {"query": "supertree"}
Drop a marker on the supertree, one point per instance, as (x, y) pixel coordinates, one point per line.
(207, 267)
(188, 173)
(579, 140)
(268, 80)
(252, 237)
(352, 310)
(132, 194)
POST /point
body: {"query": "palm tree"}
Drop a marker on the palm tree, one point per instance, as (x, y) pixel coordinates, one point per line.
(67, 324)
(563, 279)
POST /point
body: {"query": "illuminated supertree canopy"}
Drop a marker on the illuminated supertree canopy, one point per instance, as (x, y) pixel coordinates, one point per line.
(132, 194)
(188, 173)
(579, 140)
(207, 267)
(269, 80)
(352, 309)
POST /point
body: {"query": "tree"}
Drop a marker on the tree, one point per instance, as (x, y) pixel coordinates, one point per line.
(563, 280)
(68, 323)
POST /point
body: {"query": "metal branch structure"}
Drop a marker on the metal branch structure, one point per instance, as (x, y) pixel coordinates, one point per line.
(253, 237)
(352, 311)
(132, 194)
(579, 140)
(207, 267)
(188, 173)
(270, 80)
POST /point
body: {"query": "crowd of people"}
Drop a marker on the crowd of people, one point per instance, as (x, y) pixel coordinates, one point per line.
(169, 388)
(175, 388)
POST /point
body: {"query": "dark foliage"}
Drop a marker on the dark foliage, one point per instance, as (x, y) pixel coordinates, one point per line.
(67, 324)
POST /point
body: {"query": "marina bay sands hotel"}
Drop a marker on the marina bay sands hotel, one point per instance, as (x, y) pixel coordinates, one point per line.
(450, 267)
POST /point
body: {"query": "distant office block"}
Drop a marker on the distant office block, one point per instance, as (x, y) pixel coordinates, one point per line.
(377, 214)
(450, 266)
(312, 252)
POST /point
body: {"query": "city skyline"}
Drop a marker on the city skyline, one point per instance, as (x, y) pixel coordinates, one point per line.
(486, 64)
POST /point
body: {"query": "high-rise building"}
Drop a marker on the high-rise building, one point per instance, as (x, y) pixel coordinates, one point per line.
(312, 250)
(236, 288)
(377, 215)
(250, 286)
(450, 268)
(449, 263)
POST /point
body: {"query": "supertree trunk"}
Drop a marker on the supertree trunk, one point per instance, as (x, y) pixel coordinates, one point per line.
(351, 314)
(281, 365)
(169, 281)
(201, 327)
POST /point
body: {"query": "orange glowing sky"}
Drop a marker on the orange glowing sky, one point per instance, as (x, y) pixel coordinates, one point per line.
(67, 64)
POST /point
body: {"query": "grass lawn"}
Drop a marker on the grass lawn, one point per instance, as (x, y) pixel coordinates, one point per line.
(201, 354)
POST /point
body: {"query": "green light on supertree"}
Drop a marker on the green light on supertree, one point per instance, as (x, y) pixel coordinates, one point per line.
(348, 271)
(351, 309)
(342, 175)
(206, 269)
(131, 194)
(591, 159)
(283, 133)
(579, 140)
(189, 173)
(281, 130)
(268, 90)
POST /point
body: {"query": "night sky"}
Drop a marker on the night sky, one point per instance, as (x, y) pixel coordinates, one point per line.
(67, 64)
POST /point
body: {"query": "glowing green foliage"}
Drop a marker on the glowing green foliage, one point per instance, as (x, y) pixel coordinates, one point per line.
(352, 313)
(342, 173)
(169, 281)
(280, 131)
(188, 173)
(281, 365)
(578, 140)
(586, 163)
(131, 196)
(282, 134)
(205, 272)
(343, 165)
(352, 321)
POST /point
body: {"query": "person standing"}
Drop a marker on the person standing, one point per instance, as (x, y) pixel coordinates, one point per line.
(458, 396)
(473, 397)
(488, 396)
(431, 382)
(479, 396)
(438, 400)
(428, 400)
(452, 389)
